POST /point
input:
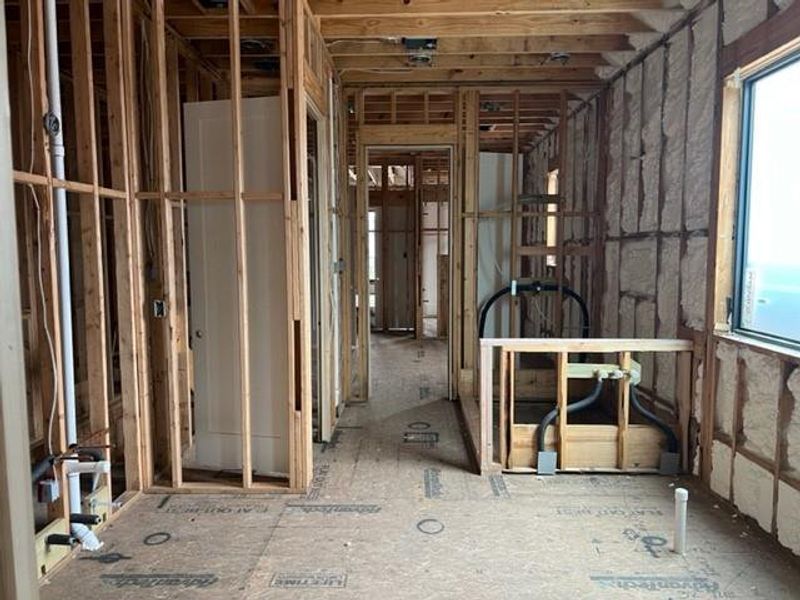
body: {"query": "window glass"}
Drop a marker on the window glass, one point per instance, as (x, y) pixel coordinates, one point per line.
(768, 290)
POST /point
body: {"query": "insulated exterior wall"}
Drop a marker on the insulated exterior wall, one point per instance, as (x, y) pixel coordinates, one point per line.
(658, 252)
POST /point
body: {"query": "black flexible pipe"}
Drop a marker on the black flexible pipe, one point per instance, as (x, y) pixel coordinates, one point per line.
(536, 286)
(672, 440)
(571, 408)
(41, 468)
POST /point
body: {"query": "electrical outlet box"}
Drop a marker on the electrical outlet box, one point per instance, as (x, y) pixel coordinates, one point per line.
(48, 491)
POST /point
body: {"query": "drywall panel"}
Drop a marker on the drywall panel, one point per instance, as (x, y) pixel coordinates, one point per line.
(721, 469)
(213, 288)
(786, 516)
(793, 425)
(762, 378)
(700, 131)
(752, 491)
(632, 150)
(727, 380)
(675, 99)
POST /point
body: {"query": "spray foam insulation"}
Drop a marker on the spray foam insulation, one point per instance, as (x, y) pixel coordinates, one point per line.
(752, 491)
(700, 132)
(762, 387)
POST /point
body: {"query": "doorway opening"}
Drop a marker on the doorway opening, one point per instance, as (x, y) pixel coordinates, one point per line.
(408, 242)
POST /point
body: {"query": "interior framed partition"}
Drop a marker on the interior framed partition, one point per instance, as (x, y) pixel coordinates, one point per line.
(305, 79)
(415, 129)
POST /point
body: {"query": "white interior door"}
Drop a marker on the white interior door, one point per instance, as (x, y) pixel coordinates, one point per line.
(213, 288)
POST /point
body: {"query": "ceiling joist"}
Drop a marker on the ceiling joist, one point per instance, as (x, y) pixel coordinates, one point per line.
(482, 26)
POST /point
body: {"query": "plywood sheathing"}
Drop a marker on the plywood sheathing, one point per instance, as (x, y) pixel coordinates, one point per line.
(586, 530)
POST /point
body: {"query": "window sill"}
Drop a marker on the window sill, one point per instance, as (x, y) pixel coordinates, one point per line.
(745, 340)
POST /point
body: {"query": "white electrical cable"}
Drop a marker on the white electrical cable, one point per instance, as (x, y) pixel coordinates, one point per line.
(48, 335)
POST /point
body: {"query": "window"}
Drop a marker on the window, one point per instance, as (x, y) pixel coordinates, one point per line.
(767, 295)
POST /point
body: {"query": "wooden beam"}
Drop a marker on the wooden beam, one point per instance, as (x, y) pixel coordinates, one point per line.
(141, 325)
(127, 310)
(420, 135)
(216, 27)
(471, 164)
(166, 246)
(179, 240)
(562, 399)
(551, 79)
(524, 44)
(371, 8)
(597, 345)
(241, 244)
(90, 219)
(480, 26)
(623, 411)
(468, 61)
(17, 563)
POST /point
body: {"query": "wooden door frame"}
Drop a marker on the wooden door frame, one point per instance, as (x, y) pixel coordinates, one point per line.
(389, 137)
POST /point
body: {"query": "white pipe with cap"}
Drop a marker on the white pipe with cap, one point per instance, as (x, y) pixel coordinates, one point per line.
(56, 132)
(681, 504)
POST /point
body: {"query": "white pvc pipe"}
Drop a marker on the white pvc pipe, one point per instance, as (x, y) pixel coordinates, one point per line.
(62, 245)
(681, 505)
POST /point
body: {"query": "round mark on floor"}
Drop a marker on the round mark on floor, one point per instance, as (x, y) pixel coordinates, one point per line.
(419, 425)
(430, 526)
(156, 539)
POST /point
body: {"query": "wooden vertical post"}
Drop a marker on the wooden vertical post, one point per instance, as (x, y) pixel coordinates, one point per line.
(241, 241)
(90, 218)
(362, 285)
(127, 309)
(512, 392)
(623, 410)
(136, 231)
(18, 561)
(562, 398)
(345, 249)
(514, 267)
(416, 213)
(179, 241)
(167, 248)
(503, 425)
(684, 397)
(383, 300)
(471, 158)
(486, 408)
(456, 255)
(300, 279)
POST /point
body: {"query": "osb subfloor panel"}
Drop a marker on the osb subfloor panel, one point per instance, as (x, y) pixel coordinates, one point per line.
(395, 513)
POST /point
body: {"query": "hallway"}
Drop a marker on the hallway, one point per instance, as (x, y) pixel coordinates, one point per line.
(394, 512)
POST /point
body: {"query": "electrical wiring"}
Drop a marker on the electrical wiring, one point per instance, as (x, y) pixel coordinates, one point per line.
(48, 335)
